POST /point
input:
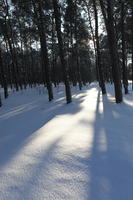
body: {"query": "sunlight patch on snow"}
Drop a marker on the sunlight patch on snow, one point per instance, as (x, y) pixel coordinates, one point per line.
(100, 106)
(81, 150)
(54, 153)
(128, 102)
(53, 157)
(90, 100)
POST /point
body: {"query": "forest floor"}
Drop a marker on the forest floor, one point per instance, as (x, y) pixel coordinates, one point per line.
(55, 151)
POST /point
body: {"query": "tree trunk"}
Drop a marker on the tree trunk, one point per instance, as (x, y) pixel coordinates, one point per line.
(98, 53)
(124, 67)
(0, 101)
(132, 42)
(109, 22)
(77, 50)
(3, 76)
(61, 50)
(44, 52)
(10, 39)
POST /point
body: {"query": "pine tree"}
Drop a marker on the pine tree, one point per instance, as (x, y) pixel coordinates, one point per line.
(109, 22)
(124, 67)
(57, 16)
(98, 53)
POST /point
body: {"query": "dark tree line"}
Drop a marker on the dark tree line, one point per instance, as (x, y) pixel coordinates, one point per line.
(70, 41)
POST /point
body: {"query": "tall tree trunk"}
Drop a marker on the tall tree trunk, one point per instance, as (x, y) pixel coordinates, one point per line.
(109, 22)
(61, 50)
(98, 53)
(94, 42)
(0, 101)
(3, 76)
(10, 39)
(132, 41)
(77, 49)
(44, 52)
(54, 75)
(124, 67)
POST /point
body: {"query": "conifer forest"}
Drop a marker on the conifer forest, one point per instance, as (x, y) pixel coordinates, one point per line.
(74, 42)
(66, 99)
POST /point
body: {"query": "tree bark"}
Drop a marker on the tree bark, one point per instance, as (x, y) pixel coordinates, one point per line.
(44, 52)
(98, 53)
(3, 77)
(0, 101)
(124, 67)
(132, 42)
(109, 23)
(77, 49)
(61, 50)
(10, 39)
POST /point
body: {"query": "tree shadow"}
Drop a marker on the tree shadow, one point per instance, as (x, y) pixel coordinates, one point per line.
(24, 121)
(56, 173)
(23, 169)
(111, 162)
(35, 164)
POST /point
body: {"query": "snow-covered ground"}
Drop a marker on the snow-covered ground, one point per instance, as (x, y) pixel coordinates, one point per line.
(55, 151)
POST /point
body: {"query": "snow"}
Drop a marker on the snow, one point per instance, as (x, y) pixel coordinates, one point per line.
(55, 151)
